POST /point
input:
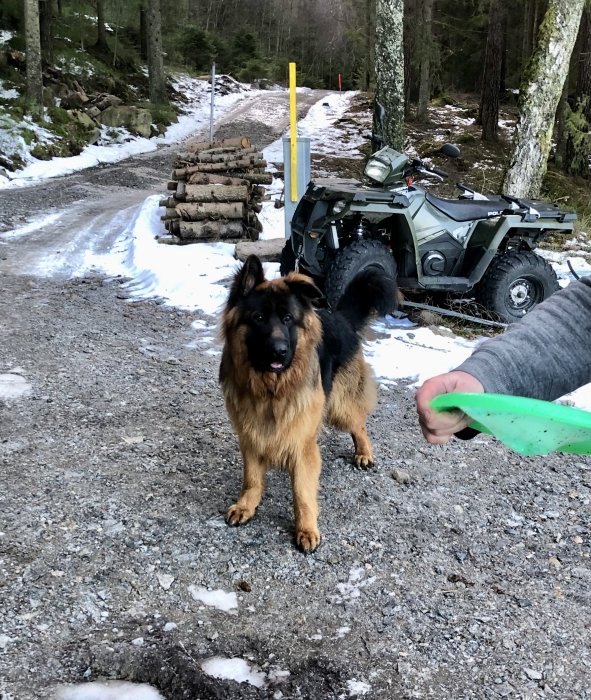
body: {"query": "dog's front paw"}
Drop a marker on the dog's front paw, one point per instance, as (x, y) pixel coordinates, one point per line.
(364, 461)
(238, 515)
(308, 540)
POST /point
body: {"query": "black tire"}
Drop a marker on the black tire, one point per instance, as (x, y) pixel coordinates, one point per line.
(352, 260)
(287, 260)
(515, 283)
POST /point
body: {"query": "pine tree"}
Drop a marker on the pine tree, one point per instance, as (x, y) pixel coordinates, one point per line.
(491, 76)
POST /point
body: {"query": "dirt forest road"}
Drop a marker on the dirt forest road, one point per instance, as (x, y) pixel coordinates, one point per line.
(457, 572)
(94, 204)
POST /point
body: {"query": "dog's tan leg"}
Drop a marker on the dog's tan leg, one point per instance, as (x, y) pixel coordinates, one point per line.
(305, 476)
(253, 486)
(363, 448)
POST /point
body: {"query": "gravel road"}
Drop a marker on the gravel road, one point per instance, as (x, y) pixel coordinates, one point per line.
(452, 572)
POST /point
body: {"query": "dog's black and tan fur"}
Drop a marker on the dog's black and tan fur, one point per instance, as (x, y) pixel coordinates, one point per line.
(285, 368)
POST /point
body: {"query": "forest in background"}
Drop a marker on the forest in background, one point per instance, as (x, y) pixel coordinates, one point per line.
(256, 39)
(450, 48)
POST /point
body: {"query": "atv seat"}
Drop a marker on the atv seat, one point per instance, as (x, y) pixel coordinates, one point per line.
(467, 209)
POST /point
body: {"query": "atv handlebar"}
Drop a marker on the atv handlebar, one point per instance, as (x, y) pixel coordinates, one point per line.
(418, 166)
(438, 171)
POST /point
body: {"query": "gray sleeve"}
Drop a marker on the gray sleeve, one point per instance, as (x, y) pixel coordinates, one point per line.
(544, 356)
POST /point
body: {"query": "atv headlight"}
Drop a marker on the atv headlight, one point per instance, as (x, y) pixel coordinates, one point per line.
(377, 170)
(338, 206)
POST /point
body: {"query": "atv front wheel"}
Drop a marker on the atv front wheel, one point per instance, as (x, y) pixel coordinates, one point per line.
(350, 261)
(515, 283)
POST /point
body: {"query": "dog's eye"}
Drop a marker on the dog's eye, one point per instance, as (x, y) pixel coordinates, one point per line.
(258, 317)
(288, 318)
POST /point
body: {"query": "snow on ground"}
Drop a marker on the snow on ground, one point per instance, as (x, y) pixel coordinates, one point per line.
(195, 118)
(227, 602)
(235, 669)
(196, 276)
(109, 690)
(319, 125)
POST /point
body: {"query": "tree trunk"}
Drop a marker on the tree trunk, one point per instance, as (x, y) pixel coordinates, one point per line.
(426, 51)
(491, 76)
(215, 193)
(101, 41)
(33, 53)
(389, 67)
(45, 22)
(368, 45)
(539, 96)
(143, 34)
(207, 230)
(155, 63)
(210, 210)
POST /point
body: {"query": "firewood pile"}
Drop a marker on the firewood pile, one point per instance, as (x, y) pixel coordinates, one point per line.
(215, 193)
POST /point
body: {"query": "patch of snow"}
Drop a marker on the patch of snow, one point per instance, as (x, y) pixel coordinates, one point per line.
(319, 125)
(5, 36)
(13, 386)
(356, 687)
(228, 602)
(234, 669)
(351, 589)
(8, 93)
(31, 226)
(195, 117)
(108, 690)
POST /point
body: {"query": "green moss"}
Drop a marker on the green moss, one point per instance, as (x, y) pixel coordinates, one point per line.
(59, 116)
(28, 136)
(164, 114)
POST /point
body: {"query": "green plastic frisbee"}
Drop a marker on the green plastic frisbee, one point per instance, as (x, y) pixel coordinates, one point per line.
(529, 426)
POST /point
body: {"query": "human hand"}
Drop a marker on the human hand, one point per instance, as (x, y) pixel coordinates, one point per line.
(439, 427)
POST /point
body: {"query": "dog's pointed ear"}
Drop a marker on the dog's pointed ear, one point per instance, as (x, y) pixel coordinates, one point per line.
(303, 287)
(249, 276)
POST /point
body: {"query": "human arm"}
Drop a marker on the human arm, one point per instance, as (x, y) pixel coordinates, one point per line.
(544, 356)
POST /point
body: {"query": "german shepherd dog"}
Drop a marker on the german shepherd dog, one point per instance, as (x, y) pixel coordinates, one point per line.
(287, 367)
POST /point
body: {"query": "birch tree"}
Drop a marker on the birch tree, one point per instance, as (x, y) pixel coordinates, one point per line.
(33, 53)
(155, 61)
(539, 96)
(389, 67)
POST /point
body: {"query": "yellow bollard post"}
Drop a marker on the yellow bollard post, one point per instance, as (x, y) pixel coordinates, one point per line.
(293, 134)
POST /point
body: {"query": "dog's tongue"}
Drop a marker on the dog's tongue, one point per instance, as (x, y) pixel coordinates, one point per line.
(276, 365)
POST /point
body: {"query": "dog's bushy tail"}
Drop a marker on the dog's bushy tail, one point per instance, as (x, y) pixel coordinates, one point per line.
(371, 292)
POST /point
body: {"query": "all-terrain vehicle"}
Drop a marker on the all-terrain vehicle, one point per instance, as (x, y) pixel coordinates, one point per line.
(475, 243)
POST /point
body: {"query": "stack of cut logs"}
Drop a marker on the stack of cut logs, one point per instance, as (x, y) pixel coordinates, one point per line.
(217, 193)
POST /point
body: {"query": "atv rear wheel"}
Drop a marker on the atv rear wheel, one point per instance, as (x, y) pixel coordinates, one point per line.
(353, 259)
(515, 283)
